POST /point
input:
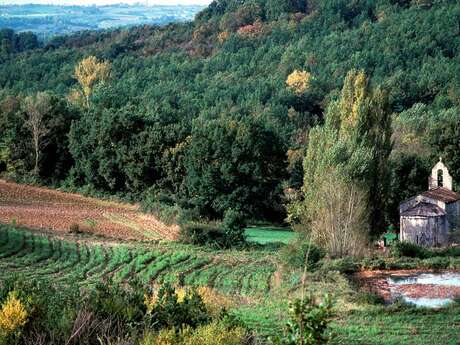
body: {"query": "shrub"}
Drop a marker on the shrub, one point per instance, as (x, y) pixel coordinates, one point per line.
(108, 311)
(402, 264)
(451, 251)
(163, 337)
(91, 223)
(74, 228)
(171, 308)
(216, 303)
(229, 234)
(215, 333)
(301, 252)
(201, 234)
(375, 263)
(13, 316)
(233, 226)
(124, 305)
(347, 265)
(309, 322)
(369, 298)
(49, 309)
(163, 206)
(435, 263)
(410, 250)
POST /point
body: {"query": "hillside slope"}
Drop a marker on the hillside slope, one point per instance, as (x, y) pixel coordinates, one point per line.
(64, 212)
(214, 90)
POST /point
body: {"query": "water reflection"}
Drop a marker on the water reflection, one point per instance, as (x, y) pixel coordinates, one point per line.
(428, 302)
(430, 290)
(444, 279)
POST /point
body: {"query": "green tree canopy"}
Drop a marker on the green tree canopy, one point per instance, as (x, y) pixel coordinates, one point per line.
(234, 164)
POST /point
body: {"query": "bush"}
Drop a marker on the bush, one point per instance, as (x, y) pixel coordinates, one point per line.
(375, 263)
(369, 298)
(123, 305)
(402, 264)
(233, 226)
(216, 303)
(410, 250)
(74, 228)
(163, 206)
(201, 234)
(172, 308)
(436, 263)
(13, 317)
(451, 251)
(215, 333)
(347, 265)
(108, 311)
(309, 322)
(163, 337)
(229, 234)
(48, 307)
(301, 252)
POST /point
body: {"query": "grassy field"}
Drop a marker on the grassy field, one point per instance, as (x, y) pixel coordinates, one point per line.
(269, 234)
(253, 278)
(85, 262)
(390, 326)
(120, 243)
(247, 276)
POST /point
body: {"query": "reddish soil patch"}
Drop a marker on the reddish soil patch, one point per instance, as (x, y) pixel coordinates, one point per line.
(50, 209)
(378, 282)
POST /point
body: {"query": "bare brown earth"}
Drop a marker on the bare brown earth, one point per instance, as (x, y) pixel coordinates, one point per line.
(43, 208)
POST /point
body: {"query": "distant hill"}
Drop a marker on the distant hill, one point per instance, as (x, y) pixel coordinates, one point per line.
(52, 20)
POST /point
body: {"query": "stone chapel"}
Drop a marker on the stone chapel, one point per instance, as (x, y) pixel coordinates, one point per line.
(430, 218)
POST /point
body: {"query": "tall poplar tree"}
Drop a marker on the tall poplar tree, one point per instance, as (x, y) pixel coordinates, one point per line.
(354, 144)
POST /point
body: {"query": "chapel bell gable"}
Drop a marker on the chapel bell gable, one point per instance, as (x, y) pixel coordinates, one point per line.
(440, 177)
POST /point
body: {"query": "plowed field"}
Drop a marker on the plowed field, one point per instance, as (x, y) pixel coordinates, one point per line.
(43, 208)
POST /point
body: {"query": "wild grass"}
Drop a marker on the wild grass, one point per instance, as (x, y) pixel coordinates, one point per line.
(255, 279)
(400, 325)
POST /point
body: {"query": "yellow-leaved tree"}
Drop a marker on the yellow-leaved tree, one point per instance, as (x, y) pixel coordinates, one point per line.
(90, 72)
(298, 81)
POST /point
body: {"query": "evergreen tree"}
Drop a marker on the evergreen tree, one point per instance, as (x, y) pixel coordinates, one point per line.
(235, 165)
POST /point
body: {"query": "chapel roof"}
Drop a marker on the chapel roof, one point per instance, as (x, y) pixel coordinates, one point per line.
(424, 209)
(442, 194)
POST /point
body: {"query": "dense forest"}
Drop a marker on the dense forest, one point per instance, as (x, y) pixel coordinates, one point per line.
(216, 114)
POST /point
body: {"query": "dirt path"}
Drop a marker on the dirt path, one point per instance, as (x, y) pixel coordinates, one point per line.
(43, 208)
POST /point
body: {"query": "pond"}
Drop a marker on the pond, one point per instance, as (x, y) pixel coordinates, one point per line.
(431, 290)
(420, 288)
(444, 279)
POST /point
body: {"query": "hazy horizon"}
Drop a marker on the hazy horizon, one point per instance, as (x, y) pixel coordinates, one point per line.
(105, 2)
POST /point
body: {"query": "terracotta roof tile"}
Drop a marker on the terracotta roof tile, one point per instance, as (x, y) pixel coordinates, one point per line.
(424, 209)
(442, 194)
